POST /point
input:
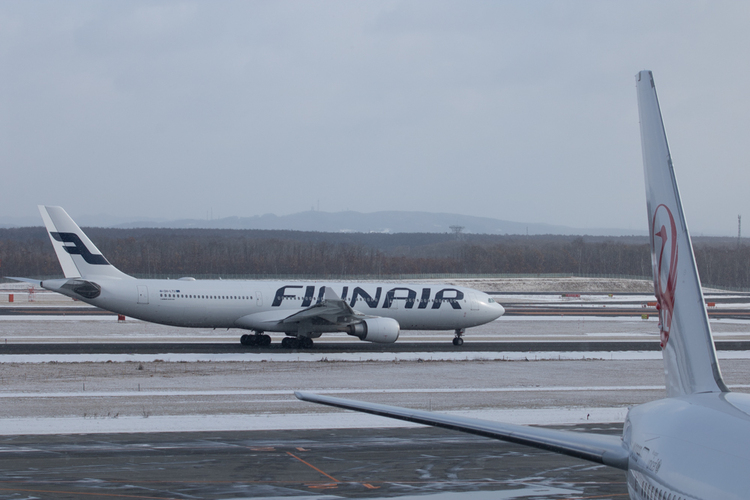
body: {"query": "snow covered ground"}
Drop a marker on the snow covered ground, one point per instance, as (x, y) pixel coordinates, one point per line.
(90, 394)
(240, 422)
(106, 329)
(47, 394)
(591, 286)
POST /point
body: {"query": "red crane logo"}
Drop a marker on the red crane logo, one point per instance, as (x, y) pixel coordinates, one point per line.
(665, 268)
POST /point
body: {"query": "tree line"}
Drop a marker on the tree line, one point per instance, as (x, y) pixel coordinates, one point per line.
(254, 253)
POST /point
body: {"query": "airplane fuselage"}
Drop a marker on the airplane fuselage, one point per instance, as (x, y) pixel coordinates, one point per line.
(696, 444)
(255, 305)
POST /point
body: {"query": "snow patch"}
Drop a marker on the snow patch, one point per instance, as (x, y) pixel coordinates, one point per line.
(339, 420)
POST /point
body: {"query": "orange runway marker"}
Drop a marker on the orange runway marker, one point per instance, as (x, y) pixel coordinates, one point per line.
(313, 467)
(324, 486)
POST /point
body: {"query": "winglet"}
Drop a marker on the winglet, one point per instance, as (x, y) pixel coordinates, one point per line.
(690, 362)
(329, 294)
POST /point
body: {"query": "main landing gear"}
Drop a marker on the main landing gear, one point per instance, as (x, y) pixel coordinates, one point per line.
(256, 340)
(457, 340)
(296, 343)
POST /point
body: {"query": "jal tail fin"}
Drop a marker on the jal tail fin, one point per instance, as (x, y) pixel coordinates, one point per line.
(690, 363)
(78, 256)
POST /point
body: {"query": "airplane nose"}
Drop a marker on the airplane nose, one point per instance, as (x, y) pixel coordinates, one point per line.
(494, 311)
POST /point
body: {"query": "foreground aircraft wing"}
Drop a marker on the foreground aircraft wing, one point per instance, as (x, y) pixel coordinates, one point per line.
(599, 448)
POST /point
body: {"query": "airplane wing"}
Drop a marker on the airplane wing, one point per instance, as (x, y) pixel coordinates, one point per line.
(599, 448)
(331, 309)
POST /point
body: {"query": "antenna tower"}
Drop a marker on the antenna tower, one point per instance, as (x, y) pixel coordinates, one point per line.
(739, 230)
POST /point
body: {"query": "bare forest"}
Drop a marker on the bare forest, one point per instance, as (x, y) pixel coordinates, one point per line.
(227, 253)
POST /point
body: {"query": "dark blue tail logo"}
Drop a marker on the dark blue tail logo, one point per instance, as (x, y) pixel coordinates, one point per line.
(79, 248)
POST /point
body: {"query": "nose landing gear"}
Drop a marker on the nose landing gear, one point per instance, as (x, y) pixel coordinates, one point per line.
(457, 340)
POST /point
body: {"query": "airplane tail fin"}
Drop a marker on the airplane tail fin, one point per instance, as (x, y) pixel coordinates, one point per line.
(690, 362)
(78, 256)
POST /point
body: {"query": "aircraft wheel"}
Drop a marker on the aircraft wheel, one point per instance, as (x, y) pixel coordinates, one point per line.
(264, 340)
(243, 339)
(306, 343)
(286, 343)
(458, 341)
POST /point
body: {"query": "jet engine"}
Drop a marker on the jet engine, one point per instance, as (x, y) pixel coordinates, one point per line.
(380, 330)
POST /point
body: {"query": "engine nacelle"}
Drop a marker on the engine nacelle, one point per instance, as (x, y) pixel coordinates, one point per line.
(380, 330)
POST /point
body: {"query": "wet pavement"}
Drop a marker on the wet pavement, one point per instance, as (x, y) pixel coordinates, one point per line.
(354, 463)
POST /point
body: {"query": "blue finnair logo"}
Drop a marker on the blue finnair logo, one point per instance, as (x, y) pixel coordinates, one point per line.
(79, 248)
(407, 296)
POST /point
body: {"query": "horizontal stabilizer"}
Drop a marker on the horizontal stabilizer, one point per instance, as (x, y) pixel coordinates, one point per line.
(25, 280)
(599, 448)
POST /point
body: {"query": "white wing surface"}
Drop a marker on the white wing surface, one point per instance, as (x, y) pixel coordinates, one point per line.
(331, 309)
(600, 448)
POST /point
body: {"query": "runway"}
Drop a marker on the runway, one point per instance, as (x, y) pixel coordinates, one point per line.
(601, 310)
(322, 464)
(345, 347)
(97, 408)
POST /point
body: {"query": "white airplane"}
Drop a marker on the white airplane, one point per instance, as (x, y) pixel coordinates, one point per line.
(374, 312)
(694, 444)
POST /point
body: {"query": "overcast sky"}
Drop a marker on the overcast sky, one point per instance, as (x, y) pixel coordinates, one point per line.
(523, 111)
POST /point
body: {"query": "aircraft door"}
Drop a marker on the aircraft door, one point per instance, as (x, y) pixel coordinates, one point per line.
(258, 299)
(142, 294)
(474, 302)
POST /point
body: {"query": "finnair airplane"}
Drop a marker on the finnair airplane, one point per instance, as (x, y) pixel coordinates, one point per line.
(694, 444)
(373, 312)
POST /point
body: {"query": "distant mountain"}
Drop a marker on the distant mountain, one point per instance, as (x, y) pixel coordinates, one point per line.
(336, 222)
(8, 222)
(380, 222)
(84, 220)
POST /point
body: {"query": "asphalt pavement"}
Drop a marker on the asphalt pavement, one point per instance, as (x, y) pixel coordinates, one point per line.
(325, 464)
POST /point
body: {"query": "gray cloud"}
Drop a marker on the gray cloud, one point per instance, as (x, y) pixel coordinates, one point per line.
(522, 111)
